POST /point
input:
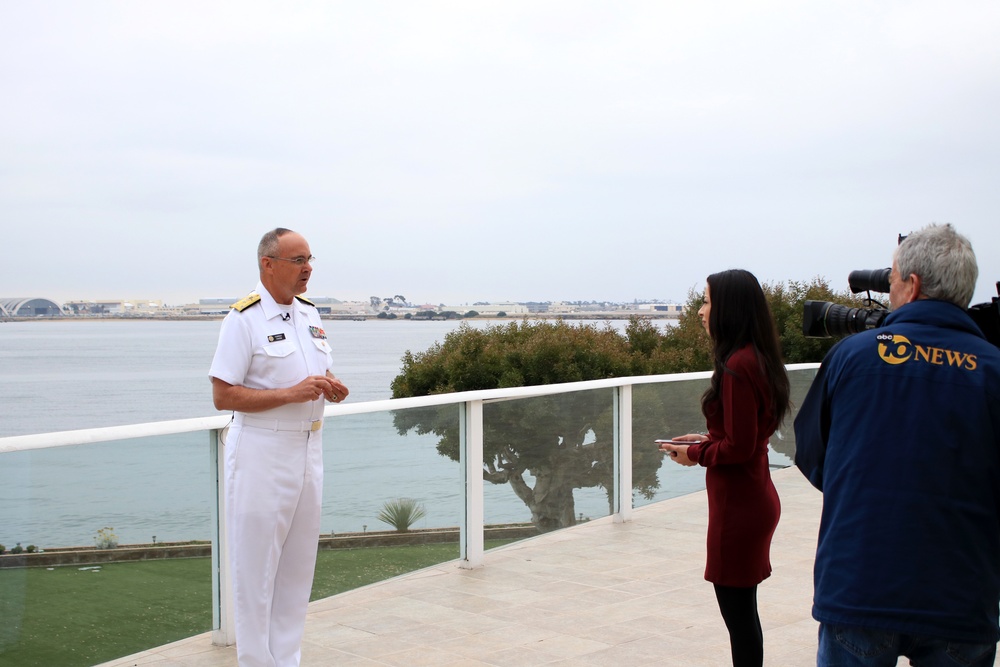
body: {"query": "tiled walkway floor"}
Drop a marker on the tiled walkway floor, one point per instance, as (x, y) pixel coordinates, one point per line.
(597, 594)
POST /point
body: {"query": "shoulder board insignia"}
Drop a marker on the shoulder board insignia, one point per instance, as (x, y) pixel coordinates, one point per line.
(305, 300)
(243, 304)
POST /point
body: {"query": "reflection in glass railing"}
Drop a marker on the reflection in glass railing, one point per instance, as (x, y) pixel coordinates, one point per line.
(549, 460)
(783, 444)
(664, 410)
(667, 409)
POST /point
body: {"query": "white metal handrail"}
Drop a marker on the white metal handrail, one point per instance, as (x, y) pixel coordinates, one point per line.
(107, 434)
(16, 443)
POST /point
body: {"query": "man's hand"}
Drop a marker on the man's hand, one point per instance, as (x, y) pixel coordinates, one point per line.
(310, 389)
(338, 390)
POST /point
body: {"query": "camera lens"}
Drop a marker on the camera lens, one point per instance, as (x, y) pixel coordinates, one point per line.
(842, 320)
(822, 319)
(875, 280)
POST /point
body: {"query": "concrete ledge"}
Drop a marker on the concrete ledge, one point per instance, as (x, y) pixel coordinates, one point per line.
(389, 538)
(203, 549)
(94, 556)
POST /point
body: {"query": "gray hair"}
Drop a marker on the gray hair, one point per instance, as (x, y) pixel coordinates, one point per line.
(944, 260)
(268, 246)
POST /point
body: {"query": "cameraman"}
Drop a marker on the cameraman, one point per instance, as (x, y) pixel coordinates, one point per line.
(901, 432)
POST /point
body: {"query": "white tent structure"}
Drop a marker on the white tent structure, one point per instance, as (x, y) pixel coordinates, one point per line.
(29, 307)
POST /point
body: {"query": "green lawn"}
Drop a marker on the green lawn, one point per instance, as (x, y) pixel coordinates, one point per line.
(72, 617)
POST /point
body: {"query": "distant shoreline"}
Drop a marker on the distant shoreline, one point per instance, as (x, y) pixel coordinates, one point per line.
(349, 318)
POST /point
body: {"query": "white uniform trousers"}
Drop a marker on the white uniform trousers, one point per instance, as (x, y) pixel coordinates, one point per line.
(274, 495)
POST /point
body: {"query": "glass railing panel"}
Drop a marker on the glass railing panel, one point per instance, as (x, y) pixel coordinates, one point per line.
(149, 490)
(668, 409)
(663, 410)
(147, 501)
(549, 461)
(783, 442)
(385, 462)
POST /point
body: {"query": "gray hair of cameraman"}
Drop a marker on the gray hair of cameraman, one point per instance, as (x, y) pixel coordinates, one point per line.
(945, 262)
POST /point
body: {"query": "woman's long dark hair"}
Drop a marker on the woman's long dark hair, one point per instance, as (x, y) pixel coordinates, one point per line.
(740, 315)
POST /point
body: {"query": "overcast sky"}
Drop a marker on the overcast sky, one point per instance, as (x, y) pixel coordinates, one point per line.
(461, 151)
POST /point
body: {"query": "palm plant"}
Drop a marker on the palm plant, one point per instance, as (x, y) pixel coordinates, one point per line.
(401, 513)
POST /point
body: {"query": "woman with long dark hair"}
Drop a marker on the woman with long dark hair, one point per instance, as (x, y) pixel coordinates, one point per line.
(745, 403)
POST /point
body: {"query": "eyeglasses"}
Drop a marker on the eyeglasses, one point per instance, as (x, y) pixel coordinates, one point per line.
(298, 261)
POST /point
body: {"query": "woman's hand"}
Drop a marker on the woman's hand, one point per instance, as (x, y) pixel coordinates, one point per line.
(679, 452)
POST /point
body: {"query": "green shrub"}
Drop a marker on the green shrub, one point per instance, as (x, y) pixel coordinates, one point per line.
(401, 513)
(106, 538)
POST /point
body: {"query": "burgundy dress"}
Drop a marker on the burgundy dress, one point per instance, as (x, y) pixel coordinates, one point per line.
(743, 506)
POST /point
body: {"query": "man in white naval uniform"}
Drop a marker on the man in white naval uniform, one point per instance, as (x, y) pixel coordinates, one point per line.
(271, 368)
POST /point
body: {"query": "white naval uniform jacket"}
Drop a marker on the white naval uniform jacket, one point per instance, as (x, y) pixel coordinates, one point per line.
(258, 349)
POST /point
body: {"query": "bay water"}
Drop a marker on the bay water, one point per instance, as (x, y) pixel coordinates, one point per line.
(76, 374)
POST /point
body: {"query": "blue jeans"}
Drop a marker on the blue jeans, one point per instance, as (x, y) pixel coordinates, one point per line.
(844, 646)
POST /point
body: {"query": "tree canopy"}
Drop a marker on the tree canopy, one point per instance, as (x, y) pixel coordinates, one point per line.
(565, 442)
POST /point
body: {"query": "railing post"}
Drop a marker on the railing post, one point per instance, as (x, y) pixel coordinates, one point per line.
(623, 453)
(223, 623)
(471, 461)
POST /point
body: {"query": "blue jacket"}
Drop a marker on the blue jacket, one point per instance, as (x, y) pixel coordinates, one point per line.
(901, 432)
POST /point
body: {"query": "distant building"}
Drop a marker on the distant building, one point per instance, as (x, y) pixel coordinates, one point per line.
(672, 308)
(214, 306)
(560, 308)
(220, 306)
(29, 307)
(114, 307)
(492, 309)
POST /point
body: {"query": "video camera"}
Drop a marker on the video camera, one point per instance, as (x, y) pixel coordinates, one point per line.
(823, 319)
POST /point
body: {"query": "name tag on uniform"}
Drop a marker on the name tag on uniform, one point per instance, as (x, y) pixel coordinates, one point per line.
(275, 337)
(317, 332)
